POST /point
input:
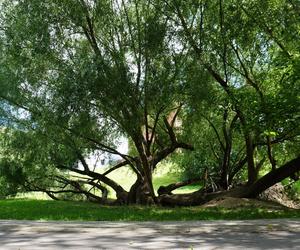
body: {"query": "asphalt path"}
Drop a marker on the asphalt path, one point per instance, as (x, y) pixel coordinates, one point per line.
(250, 234)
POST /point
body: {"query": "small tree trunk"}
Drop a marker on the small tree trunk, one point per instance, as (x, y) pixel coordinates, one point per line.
(227, 150)
(252, 173)
(270, 155)
(225, 166)
(236, 169)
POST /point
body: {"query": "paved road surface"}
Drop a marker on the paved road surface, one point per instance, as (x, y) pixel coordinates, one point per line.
(247, 235)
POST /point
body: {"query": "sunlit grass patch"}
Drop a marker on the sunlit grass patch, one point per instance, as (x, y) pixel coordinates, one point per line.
(84, 211)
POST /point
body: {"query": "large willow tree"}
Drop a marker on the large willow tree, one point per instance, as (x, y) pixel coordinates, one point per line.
(78, 74)
(86, 72)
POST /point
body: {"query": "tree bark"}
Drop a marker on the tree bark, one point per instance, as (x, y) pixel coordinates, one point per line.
(168, 189)
(274, 177)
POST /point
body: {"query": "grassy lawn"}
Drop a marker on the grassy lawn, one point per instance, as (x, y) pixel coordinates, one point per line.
(38, 206)
(63, 210)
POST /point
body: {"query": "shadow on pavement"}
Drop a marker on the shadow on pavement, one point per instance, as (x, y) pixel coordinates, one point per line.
(264, 234)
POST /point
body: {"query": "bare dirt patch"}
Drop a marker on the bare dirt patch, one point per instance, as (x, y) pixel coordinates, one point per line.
(230, 202)
(273, 198)
(278, 194)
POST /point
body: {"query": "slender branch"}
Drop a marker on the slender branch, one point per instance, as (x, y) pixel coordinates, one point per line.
(237, 167)
(83, 161)
(214, 152)
(121, 164)
(130, 30)
(139, 58)
(155, 124)
(167, 151)
(267, 29)
(89, 31)
(215, 130)
(176, 115)
(277, 140)
(115, 186)
(223, 34)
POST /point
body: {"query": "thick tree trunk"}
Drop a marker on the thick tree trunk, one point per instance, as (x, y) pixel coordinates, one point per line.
(132, 195)
(140, 194)
(274, 177)
(146, 167)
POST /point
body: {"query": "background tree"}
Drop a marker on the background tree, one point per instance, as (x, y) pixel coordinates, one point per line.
(243, 63)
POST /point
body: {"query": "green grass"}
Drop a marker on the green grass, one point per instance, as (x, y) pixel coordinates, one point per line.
(82, 211)
(170, 178)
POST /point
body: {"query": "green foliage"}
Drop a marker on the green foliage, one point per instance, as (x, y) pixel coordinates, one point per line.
(75, 76)
(8, 188)
(251, 46)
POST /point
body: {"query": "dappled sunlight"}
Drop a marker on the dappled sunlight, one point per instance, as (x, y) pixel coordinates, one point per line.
(137, 235)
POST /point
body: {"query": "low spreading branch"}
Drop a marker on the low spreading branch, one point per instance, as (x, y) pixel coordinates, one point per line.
(168, 189)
